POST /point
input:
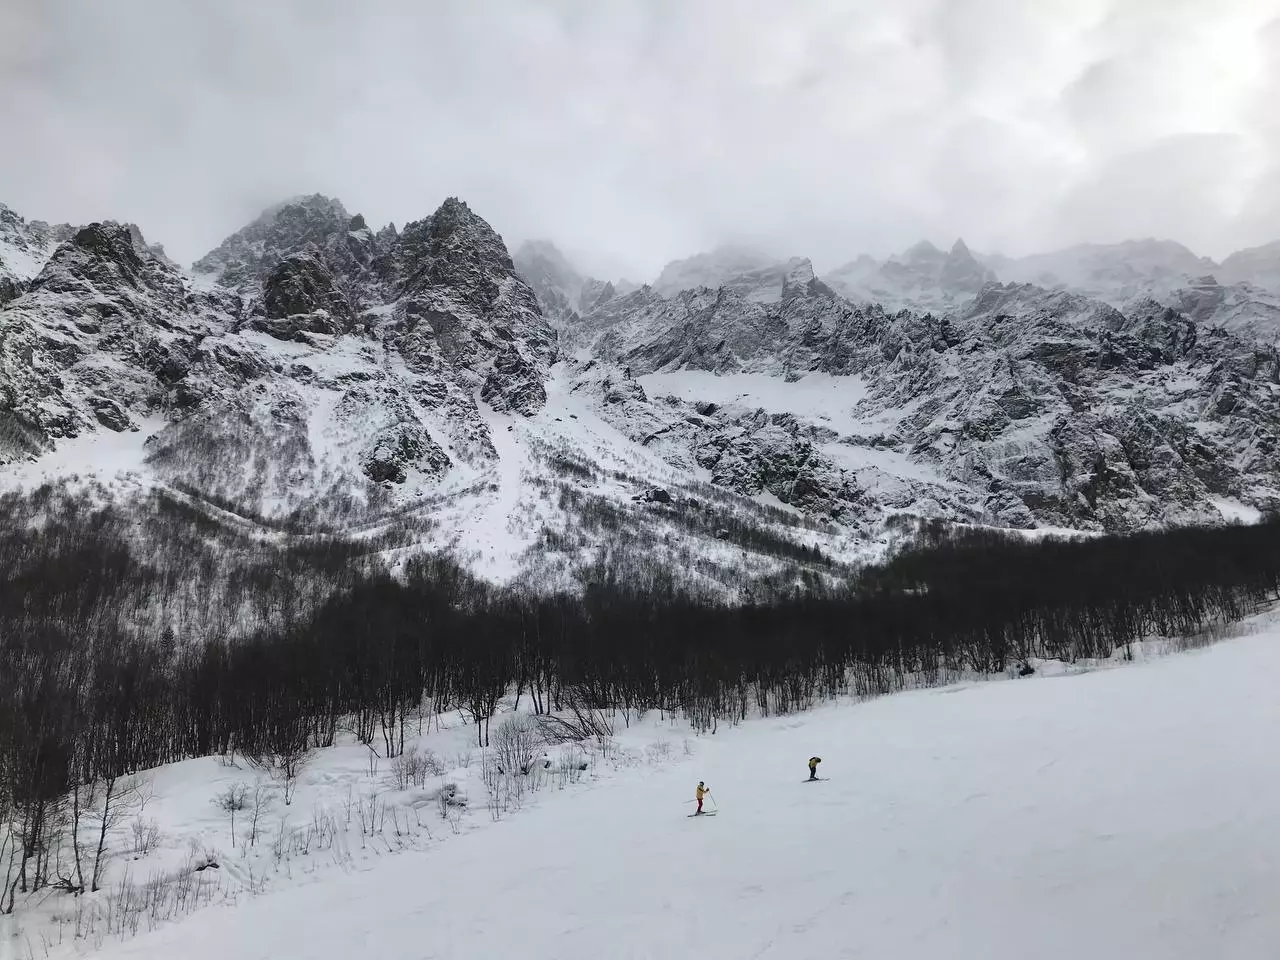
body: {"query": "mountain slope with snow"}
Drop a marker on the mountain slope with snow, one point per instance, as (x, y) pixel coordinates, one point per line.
(1138, 268)
(336, 380)
(316, 374)
(24, 249)
(1257, 266)
(923, 278)
(1239, 292)
(1023, 408)
(1122, 812)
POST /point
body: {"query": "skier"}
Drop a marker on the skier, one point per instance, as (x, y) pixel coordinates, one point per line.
(813, 767)
(701, 792)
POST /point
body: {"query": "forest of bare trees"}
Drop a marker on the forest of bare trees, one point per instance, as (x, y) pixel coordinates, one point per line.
(118, 653)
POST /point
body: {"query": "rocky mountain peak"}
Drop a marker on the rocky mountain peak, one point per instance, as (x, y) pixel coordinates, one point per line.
(11, 224)
(122, 244)
(922, 277)
(24, 249)
(453, 247)
(712, 270)
(105, 256)
(245, 258)
(396, 358)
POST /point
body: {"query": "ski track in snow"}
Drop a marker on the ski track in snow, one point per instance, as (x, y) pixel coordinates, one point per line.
(1116, 814)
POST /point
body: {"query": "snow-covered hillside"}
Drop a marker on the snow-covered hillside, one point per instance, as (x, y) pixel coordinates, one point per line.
(318, 374)
(1122, 812)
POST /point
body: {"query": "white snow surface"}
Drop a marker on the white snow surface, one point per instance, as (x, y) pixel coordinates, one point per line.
(1234, 510)
(1118, 813)
(23, 263)
(818, 397)
(112, 459)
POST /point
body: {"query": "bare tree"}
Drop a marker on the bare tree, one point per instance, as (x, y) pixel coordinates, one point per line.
(232, 800)
(145, 834)
(258, 803)
(585, 723)
(121, 797)
(287, 764)
(517, 743)
(412, 769)
(9, 849)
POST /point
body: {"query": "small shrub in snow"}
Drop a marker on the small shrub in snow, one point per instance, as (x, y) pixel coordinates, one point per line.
(144, 833)
(287, 764)
(658, 751)
(231, 801)
(517, 743)
(450, 801)
(412, 769)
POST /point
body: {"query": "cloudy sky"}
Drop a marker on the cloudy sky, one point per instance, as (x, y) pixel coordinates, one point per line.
(632, 132)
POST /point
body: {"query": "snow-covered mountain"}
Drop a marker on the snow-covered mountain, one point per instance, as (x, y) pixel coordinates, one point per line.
(562, 291)
(739, 266)
(313, 373)
(1257, 266)
(24, 247)
(1024, 408)
(1122, 274)
(922, 278)
(1116, 272)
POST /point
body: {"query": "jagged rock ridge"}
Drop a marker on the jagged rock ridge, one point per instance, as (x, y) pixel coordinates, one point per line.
(318, 369)
(110, 333)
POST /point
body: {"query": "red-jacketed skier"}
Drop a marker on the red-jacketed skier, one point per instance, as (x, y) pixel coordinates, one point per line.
(701, 792)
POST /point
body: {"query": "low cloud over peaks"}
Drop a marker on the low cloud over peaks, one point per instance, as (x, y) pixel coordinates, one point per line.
(635, 132)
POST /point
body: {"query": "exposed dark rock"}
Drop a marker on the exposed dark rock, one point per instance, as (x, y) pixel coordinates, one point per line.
(110, 415)
(300, 295)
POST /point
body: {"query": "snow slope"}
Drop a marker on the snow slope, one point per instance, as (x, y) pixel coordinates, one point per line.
(819, 397)
(1118, 813)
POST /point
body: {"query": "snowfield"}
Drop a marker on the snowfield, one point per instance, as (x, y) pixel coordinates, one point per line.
(818, 397)
(1115, 813)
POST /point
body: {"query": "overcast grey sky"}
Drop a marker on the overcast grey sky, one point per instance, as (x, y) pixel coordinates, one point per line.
(632, 132)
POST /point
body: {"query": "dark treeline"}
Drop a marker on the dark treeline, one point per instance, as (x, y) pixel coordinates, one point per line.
(86, 696)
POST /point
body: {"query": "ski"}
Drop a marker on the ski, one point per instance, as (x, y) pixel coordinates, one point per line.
(816, 779)
(707, 813)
